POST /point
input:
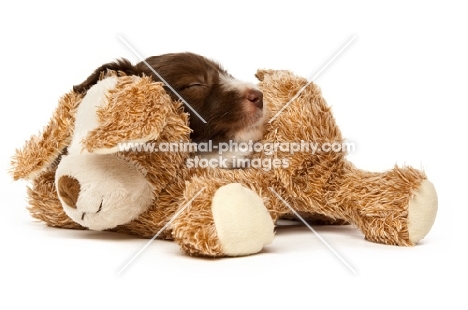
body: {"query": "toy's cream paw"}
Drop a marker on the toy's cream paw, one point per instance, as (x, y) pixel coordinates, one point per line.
(242, 222)
(101, 191)
(422, 210)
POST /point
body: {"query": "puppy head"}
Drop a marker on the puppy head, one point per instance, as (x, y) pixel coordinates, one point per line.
(236, 109)
(232, 109)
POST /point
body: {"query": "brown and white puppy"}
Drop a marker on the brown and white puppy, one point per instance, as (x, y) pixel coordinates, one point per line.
(222, 109)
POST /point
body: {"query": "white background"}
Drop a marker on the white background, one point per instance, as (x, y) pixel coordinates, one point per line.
(398, 92)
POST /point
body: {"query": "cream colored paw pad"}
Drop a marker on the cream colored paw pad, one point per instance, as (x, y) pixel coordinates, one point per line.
(242, 222)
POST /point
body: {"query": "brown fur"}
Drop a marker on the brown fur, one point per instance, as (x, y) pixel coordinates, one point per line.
(322, 186)
(69, 189)
(41, 150)
(196, 79)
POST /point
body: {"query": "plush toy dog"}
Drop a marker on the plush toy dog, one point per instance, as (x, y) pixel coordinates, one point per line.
(83, 177)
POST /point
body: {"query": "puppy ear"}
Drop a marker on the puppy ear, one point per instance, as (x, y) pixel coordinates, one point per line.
(120, 67)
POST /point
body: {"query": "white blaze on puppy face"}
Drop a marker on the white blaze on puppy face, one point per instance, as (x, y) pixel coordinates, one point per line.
(241, 103)
(256, 116)
(230, 83)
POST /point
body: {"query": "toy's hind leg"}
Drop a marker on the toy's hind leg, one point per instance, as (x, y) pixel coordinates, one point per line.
(397, 207)
(422, 210)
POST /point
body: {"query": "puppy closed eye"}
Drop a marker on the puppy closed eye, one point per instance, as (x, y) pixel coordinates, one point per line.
(193, 85)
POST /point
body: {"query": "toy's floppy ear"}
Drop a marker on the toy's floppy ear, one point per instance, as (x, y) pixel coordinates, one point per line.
(260, 75)
(136, 111)
(40, 151)
(263, 74)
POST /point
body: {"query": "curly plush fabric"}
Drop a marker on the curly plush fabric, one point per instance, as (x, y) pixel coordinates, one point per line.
(395, 207)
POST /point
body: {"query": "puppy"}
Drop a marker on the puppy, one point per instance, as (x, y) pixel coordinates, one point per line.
(222, 109)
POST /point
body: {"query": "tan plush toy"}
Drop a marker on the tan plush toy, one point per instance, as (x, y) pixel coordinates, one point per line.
(81, 179)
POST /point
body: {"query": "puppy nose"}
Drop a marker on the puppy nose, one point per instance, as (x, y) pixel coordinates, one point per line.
(256, 97)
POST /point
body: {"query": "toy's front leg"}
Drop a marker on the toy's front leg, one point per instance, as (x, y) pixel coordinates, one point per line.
(397, 207)
(222, 220)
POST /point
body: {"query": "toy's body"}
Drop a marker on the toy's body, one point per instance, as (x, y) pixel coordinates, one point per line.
(213, 212)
